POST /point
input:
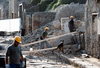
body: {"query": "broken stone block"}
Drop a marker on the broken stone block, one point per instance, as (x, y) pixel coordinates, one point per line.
(57, 24)
(80, 26)
(85, 56)
(77, 24)
(66, 39)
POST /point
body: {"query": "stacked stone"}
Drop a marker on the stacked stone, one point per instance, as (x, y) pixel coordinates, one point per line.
(28, 24)
(91, 36)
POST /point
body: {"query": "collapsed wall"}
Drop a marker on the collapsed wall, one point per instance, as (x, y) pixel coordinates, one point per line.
(40, 20)
(34, 36)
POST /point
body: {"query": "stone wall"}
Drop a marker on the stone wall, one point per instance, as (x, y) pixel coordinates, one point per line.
(91, 36)
(28, 24)
(41, 18)
(24, 20)
(4, 10)
(13, 9)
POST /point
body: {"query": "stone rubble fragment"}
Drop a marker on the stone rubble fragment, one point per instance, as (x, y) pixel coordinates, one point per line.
(56, 24)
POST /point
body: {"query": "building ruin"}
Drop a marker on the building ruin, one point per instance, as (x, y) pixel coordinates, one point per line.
(92, 28)
(27, 14)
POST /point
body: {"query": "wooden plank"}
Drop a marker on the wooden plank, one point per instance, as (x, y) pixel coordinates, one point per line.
(48, 39)
(47, 49)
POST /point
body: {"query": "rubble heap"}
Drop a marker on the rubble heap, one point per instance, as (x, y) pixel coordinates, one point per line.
(55, 26)
(76, 10)
(34, 36)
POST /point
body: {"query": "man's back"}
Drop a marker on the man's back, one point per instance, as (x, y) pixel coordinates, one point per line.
(71, 23)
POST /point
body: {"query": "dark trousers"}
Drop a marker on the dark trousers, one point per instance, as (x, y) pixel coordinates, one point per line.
(15, 65)
(72, 29)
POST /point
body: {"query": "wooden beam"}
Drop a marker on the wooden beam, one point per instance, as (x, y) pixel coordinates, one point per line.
(47, 49)
(48, 39)
(40, 50)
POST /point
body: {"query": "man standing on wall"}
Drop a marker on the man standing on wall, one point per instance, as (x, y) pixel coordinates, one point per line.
(71, 24)
(42, 37)
(14, 53)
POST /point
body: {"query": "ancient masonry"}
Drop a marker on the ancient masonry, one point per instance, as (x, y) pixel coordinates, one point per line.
(13, 9)
(3, 10)
(41, 18)
(92, 28)
(31, 18)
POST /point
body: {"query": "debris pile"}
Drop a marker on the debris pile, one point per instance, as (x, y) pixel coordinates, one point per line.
(80, 26)
(76, 10)
(34, 36)
(71, 49)
(2, 48)
(57, 24)
(7, 41)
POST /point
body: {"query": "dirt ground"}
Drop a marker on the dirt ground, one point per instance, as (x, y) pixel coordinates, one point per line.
(46, 60)
(43, 59)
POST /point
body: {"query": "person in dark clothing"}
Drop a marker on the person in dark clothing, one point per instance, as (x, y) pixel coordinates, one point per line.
(42, 37)
(71, 24)
(15, 54)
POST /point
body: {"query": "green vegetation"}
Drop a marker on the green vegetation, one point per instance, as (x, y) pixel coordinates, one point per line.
(35, 2)
(44, 4)
(52, 4)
